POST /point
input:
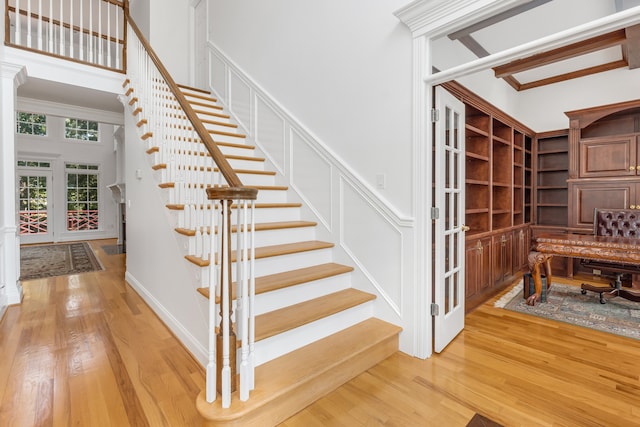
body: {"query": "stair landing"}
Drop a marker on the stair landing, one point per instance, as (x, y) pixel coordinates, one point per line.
(292, 382)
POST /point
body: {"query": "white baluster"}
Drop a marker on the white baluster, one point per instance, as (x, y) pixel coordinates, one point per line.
(226, 368)
(39, 24)
(109, 8)
(245, 376)
(18, 32)
(90, 38)
(28, 23)
(71, 49)
(50, 26)
(99, 39)
(210, 389)
(81, 34)
(61, 50)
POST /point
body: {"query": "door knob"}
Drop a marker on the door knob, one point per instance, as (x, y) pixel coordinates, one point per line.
(632, 207)
(632, 168)
(465, 228)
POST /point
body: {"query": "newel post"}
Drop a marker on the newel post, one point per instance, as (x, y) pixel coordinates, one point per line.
(224, 364)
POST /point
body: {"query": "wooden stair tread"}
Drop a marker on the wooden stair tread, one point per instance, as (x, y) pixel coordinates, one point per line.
(291, 317)
(271, 251)
(289, 278)
(291, 382)
(263, 226)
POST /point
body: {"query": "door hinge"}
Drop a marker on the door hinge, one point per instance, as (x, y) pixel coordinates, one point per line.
(434, 309)
(435, 213)
(435, 115)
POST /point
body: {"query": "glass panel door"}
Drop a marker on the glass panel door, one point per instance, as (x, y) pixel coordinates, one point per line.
(35, 206)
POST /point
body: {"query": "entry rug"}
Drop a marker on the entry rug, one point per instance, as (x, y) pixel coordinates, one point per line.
(41, 261)
(567, 304)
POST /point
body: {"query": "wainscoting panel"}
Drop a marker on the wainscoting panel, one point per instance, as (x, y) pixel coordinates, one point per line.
(373, 242)
(240, 101)
(311, 177)
(218, 76)
(270, 132)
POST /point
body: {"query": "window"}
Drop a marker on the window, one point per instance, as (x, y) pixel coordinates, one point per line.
(33, 164)
(82, 197)
(31, 124)
(83, 130)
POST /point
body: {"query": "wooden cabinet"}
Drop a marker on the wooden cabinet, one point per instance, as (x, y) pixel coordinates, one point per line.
(609, 157)
(604, 161)
(586, 195)
(521, 241)
(478, 266)
(502, 251)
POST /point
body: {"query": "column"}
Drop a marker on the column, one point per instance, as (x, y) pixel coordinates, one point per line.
(13, 75)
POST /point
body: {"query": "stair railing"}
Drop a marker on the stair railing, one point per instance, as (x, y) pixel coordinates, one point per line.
(193, 162)
(87, 31)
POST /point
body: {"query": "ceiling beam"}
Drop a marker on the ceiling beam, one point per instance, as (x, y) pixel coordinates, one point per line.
(632, 46)
(572, 75)
(496, 18)
(584, 31)
(613, 38)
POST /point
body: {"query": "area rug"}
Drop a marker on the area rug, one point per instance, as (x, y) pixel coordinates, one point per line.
(62, 259)
(567, 304)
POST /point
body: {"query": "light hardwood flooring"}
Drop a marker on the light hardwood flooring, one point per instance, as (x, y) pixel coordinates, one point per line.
(85, 350)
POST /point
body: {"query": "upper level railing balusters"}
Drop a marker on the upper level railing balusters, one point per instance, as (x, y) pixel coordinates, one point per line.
(66, 29)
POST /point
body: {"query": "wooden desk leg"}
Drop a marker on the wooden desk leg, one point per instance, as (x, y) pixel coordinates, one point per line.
(536, 259)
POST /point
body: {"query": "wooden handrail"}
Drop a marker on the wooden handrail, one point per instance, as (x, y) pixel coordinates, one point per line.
(223, 165)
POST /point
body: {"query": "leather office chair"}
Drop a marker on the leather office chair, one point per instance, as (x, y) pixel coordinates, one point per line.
(616, 223)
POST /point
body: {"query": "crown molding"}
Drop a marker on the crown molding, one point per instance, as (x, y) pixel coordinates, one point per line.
(434, 18)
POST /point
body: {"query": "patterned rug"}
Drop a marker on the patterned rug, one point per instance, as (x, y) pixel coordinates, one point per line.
(62, 259)
(567, 304)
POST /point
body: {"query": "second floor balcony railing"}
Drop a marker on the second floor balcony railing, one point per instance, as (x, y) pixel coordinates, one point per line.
(87, 31)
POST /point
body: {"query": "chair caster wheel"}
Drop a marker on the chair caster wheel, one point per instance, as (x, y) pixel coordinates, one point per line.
(602, 300)
(583, 292)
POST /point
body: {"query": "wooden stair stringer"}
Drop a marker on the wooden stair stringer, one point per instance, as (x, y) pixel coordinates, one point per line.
(288, 384)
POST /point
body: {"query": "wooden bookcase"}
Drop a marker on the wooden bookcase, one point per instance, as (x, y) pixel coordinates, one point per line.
(498, 203)
(552, 172)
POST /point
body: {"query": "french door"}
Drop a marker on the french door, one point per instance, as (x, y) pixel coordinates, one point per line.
(449, 228)
(35, 205)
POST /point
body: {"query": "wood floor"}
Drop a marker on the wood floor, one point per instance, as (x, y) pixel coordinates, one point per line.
(85, 350)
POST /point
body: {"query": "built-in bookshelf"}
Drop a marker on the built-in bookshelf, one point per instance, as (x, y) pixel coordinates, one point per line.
(552, 172)
(478, 170)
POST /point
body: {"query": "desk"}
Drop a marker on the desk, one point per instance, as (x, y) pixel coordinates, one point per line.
(601, 248)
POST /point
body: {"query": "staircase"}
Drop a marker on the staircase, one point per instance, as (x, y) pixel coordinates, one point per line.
(314, 331)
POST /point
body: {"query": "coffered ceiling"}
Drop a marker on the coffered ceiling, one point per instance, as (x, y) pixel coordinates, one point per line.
(537, 19)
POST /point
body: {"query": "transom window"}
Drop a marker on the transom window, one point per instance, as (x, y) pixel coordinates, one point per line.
(33, 164)
(82, 130)
(82, 197)
(31, 123)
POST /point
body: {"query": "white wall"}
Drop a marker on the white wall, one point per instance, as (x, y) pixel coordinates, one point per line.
(169, 36)
(342, 68)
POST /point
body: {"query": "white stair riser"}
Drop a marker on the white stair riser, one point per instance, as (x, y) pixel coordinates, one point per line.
(220, 127)
(262, 215)
(262, 238)
(272, 265)
(271, 196)
(246, 164)
(280, 298)
(229, 138)
(279, 264)
(286, 342)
